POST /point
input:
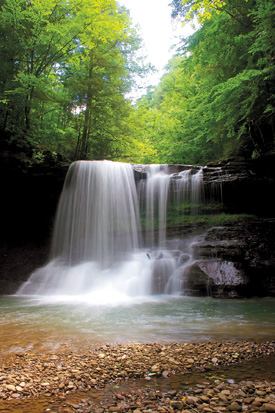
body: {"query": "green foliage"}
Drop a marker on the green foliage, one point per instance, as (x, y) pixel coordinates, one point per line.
(67, 66)
(216, 97)
(203, 9)
(208, 220)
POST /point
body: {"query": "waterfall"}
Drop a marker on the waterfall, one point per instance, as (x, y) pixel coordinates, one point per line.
(157, 192)
(96, 236)
(182, 185)
(97, 216)
(188, 188)
(98, 250)
(157, 186)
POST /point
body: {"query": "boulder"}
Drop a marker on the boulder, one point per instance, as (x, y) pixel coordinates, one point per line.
(223, 272)
(214, 277)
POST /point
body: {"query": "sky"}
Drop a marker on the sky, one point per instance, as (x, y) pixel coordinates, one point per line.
(158, 31)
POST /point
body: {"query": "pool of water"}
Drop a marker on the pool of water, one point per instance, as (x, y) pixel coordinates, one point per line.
(32, 323)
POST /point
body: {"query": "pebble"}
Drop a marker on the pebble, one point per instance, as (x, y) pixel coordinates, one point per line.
(34, 375)
(10, 387)
(269, 407)
(235, 407)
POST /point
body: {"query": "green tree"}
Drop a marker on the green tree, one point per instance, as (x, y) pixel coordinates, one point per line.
(216, 98)
(67, 68)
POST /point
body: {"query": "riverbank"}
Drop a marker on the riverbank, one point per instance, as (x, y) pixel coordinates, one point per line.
(62, 374)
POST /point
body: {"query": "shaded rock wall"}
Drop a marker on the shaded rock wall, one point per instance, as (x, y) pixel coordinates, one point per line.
(29, 200)
(235, 260)
(17, 262)
(29, 197)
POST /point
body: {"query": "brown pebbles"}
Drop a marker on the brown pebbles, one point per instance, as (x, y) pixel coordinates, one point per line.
(58, 375)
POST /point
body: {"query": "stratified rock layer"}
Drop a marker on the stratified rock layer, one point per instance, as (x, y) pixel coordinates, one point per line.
(235, 260)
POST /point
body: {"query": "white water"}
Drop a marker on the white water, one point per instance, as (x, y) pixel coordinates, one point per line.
(188, 188)
(97, 253)
(88, 282)
(97, 218)
(196, 190)
(157, 186)
(183, 185)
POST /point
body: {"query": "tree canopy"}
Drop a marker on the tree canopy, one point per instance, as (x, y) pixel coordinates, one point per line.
(67, 66)
(216, 98)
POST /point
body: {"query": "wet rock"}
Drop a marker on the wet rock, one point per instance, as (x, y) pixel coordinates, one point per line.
(222, 272)
(183, 259)
(195, 282)
(238, 258)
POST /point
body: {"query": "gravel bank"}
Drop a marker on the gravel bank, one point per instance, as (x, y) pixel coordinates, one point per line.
(30, 375)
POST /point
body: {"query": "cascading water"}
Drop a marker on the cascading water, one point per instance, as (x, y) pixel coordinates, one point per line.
(97, 217)
(188, 188)
(97, 253)
(111, 253)
(160, 190)
(95, 243)
(196, 190)
(157, 187)
(182, 185)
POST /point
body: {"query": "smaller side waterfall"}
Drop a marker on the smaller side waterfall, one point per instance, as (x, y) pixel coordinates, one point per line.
(188, 188)
(182, 185)
(157, 188)
(196, 190)
(159, 193)
(160, 190)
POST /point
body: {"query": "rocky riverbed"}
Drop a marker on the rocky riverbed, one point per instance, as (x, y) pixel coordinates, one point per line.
(100, 379)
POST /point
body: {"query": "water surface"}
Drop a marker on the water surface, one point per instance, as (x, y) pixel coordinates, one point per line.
(50, 322)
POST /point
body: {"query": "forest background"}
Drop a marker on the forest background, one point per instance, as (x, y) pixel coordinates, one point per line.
(67, 67)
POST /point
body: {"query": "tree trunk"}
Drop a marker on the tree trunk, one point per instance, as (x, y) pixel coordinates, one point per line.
(27, 110)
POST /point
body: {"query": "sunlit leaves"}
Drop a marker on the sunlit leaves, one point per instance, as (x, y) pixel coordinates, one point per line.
(202, 9)
(217, 99)
(67, 65)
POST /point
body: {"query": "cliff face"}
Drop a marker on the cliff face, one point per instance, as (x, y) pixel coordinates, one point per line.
(29, 197)
(29, 200)
(234, 260)
(231, 260)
